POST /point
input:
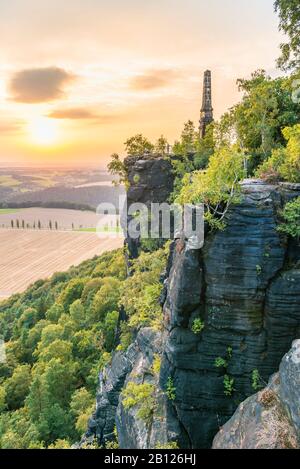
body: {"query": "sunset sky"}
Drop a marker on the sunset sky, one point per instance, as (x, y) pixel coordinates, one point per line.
(77, 77)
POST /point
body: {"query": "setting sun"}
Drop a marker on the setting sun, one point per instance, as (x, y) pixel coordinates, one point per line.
(43, 131)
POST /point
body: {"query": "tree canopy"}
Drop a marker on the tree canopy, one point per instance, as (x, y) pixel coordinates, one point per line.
(289, 15)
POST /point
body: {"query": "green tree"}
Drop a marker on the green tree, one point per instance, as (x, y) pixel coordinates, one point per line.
(2, 399)
(289, 14)
(107, 298)
(138, 145)
(291, 217)
(77, 313)
(38, 399)
(218, 187)
(109, 329)
(256, 123)
(60, 377)
(162, 146)
(55, 423)
(284, 163)
(54, 312)
(60, 349)
(82, 405)
(205, 148)
(116, 167)
(28, 318)
(188, 140)
(72, 292)
(49, 334)
(17, 386)
(184, 149)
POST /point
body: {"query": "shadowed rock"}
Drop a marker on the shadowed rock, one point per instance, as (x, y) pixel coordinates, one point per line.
(271, 418)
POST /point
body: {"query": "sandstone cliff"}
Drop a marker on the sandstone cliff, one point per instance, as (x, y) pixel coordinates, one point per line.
(243, 288)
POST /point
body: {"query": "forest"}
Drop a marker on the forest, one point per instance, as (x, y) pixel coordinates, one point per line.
(59, 334)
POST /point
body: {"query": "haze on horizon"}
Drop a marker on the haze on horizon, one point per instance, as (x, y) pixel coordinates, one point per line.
(78, 77)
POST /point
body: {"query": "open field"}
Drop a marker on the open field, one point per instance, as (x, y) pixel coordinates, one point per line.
(30, 255)
(6, 211)
(62, 219)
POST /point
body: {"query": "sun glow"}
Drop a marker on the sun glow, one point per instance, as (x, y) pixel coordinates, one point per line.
(43, 131)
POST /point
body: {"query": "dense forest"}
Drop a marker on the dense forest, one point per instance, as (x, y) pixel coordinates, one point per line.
(59, 334)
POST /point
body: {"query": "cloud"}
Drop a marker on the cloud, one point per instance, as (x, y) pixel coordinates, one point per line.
(82, 114)
(74, 113)
(38, 85)
(10, 127)
(153, 79)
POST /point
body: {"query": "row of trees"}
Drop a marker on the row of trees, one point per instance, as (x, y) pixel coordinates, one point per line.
(36, 225)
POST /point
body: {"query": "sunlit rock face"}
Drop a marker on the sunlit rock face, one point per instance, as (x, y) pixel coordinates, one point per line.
(269, 419)
(245, 286)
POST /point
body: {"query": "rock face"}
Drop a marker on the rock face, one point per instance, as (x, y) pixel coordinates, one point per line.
(244, 286)
(134, 365)
(150, 181)
(289, 373)
(134, 432)
(242, 291)
(271, 418)
(111, 382)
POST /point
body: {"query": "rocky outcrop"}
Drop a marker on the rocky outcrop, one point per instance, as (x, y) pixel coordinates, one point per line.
(150, 180)
(111, 382)
(244, 288)
(271, 418)
(133, 431)
(231, 311)
(133, 365)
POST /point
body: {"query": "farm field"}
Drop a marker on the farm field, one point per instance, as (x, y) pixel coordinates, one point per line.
(29, 255)
(61, 219)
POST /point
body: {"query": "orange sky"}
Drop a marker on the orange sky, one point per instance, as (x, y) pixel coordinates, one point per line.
(78, 77)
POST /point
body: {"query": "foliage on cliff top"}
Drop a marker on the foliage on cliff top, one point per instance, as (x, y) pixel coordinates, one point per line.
(284, 163)
(289, 14)
(191, 153)
(256, 122)
(217, 187)
(137, 145)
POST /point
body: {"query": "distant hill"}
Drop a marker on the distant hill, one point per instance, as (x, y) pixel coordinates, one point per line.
(62, 196)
